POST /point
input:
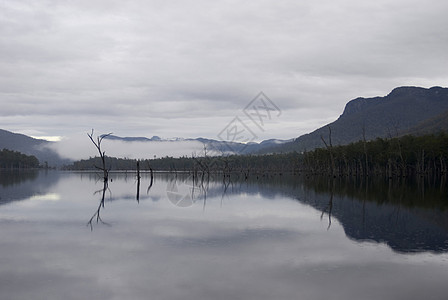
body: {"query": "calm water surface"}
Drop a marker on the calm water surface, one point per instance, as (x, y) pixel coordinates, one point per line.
(272, 238)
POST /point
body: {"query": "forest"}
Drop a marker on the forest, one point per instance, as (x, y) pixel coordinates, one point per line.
(397, 157)
(394, 157)
(16, 160)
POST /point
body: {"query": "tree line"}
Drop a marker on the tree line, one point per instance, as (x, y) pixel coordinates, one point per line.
(396, 157)
(393, 157)
(15, 160)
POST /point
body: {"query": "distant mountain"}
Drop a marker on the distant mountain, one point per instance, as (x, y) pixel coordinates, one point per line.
(211, 144)
(30, 146)
(43, 151)
(404, 110)
(133, 139)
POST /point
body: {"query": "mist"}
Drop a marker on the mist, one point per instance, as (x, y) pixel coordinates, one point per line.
(79, 146)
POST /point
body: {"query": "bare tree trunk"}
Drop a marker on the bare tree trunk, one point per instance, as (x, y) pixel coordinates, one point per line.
(330, 150)
(97, 144)
(365, 150)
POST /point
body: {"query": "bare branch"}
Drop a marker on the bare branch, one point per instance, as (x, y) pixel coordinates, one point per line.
(97, 144)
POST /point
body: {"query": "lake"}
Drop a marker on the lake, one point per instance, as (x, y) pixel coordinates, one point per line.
(271, 237)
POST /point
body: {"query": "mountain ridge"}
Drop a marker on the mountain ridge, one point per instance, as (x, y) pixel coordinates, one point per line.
(388, 116)
(211, 144)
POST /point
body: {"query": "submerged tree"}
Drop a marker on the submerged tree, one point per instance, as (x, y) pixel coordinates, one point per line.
(96, 216)
(97, 144)
(329, 147)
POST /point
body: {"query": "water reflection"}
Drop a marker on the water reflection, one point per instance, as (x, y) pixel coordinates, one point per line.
(184, 190)
(105, 190)
(97, 216)
(329, 207)
(254, 239)
(409, 192)
(407, 216)
(17, 185)
(16, 177)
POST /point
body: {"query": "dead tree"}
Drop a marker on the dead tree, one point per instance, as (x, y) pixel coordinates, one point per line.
(329, 147)
(97, 144)
(364, 143)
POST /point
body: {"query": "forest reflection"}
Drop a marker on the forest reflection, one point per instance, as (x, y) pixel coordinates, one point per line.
(408, 215)
(184, 189)
(409, 192)
(15, 177)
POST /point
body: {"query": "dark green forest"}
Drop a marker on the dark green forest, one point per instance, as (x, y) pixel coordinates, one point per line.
(16, 160)
(395, 157)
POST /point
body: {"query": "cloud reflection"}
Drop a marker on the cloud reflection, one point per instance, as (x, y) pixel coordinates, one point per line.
(265, 245)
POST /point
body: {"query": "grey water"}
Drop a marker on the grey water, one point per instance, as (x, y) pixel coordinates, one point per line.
(271, 237)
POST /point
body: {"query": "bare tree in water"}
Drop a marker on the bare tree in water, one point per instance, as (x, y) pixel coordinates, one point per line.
(97, 142)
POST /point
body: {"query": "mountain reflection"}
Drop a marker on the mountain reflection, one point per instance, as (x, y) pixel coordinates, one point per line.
(17, 185)
(408, 216)
(16, 177)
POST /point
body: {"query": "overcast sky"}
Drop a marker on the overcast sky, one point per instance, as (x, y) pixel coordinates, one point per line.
(188, 68)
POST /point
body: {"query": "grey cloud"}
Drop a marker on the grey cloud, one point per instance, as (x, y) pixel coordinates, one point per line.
(150, 63)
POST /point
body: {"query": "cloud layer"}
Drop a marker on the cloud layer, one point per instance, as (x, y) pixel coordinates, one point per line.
(79, 147)
(187, 68)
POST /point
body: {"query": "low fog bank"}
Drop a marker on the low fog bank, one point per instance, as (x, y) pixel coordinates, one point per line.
(80, 147)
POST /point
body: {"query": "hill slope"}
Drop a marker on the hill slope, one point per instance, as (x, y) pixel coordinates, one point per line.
(30, 146)
(390, 116)
(436, 124)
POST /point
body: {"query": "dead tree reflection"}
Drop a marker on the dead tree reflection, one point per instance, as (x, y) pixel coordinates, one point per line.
(329, 207)
(201, 184)
(152, 178)
(226, 183)
(138, 182)
(96, 216)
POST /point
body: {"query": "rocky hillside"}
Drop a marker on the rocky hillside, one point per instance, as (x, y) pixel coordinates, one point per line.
(404, 110)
